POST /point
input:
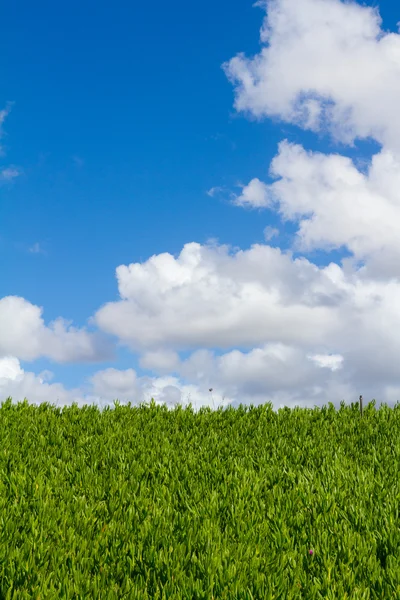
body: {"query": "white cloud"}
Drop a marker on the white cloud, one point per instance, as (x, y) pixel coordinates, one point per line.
(9, 173)
(270, 232)
(329, 361)
(299, 321)
(162, 361)
(110, 384)
(10, 369)
(254, 195)
(23, 334)
(275, 373)
(338, 205)
(19, 384)
(290, 332)
(102, 389)
(215, 190)
(206, 297)
(114, 382)
(323, 63)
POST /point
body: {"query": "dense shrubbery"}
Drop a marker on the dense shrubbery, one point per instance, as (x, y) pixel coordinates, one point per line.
(238, 503)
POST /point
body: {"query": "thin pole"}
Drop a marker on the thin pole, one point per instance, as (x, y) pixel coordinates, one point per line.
(361, 406)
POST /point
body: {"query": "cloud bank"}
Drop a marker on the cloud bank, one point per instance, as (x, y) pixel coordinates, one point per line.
(23, 334)
(259, 325)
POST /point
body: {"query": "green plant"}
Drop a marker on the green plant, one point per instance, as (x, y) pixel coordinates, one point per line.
(146, 502)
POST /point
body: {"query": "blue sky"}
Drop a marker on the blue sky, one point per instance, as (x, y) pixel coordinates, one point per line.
(120, 120)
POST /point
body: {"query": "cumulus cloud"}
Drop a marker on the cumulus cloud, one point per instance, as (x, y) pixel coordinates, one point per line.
(206, 297)
(328, 65)
(275, 373)
(24, 335)
(305, 326)
(102, 389)
(110, 384)
(290, 332)
(336, 204)
(254, 195)
(324, 63)
(19, 384)
(162, 361)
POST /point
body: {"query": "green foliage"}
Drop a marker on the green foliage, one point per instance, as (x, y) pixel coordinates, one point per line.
(148, 503)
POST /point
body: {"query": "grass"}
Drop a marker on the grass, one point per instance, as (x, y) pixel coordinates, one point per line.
(246, 503)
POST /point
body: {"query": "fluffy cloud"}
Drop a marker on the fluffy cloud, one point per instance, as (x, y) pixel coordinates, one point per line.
(102, 389)
(307, 327)
(206, 297)
(19, 384)
(290, 332)
(324, 63)
(24, 335)
(162, 361)
(336, 204)
(254, 195)
(110, 384)
(275, 373)
(230, 373)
